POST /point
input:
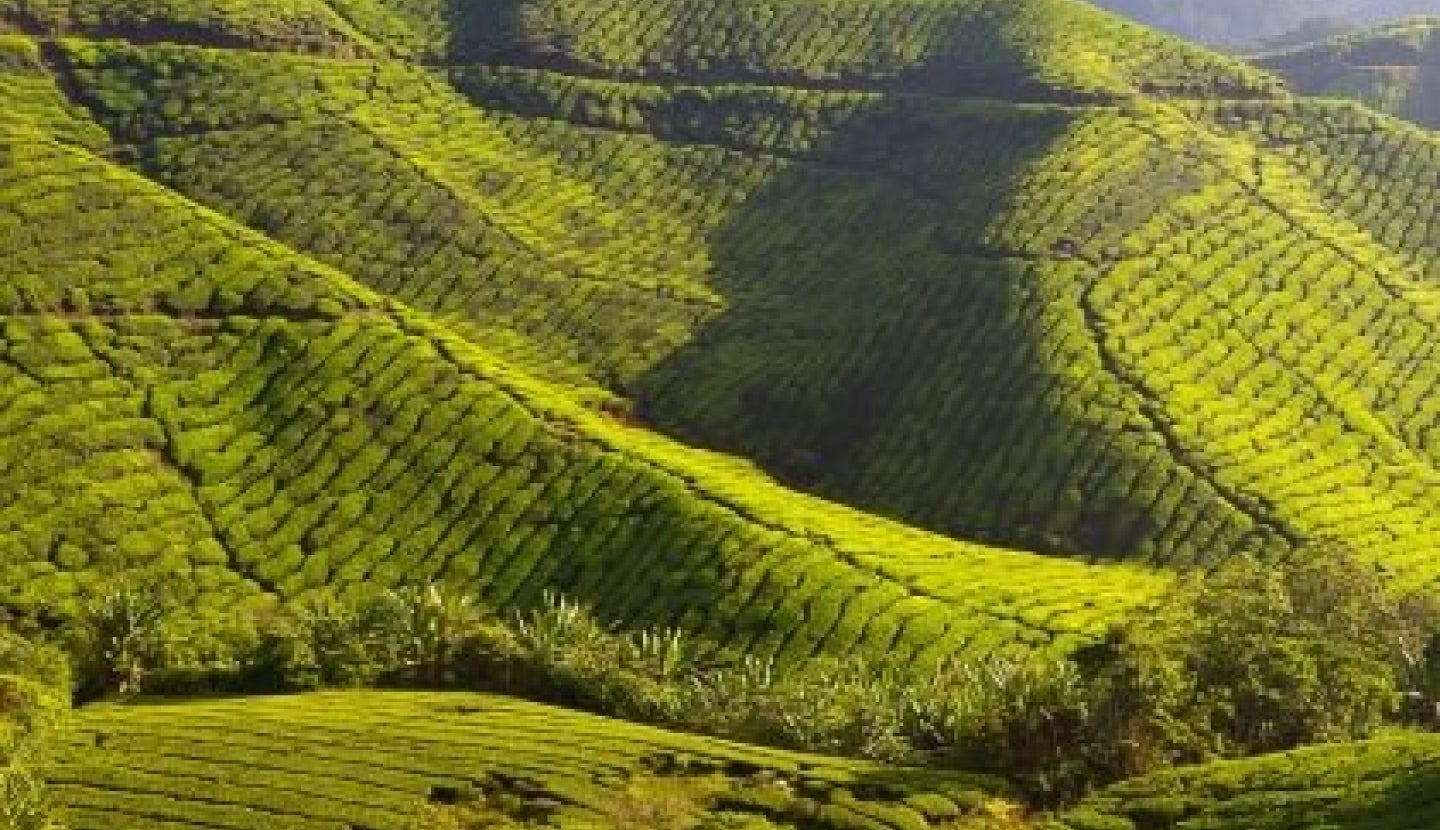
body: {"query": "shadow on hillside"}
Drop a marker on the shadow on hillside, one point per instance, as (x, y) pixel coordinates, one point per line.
(879, 349)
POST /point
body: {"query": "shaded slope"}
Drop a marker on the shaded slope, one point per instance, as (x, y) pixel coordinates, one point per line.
(371, 760)
(247, 415)
(1395, 69)
(1386, 784)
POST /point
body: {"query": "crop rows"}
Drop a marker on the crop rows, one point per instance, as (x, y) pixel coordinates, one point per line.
(335, 455)
(675, 197)
(324, 762)
(325, 442)
(811, 278)
(1392, 783)
(1034, 48)
(88, 490)
(292, 25)
(1319, 402)
(1385, 180)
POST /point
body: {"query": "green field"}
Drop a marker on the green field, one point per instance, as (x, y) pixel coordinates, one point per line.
(1391, 783)
(375, 760)
(1393, 68)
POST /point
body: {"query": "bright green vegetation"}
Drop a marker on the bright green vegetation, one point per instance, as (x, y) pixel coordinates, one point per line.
(1023, 306)
(241, 414)
(374, 760)
(1393, 68)
(811, 277)
(298, 25)
(1080, 320)
(1391, 783)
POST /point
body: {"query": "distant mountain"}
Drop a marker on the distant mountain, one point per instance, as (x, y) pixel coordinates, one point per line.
(1395, 68)
(1245, 22)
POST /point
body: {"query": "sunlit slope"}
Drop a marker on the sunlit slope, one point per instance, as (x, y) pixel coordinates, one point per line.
(289, 25)
(1039, 48)
(181, 393)
(1169, 329)
(1391, 783)
(376, 760)
(1395, 69)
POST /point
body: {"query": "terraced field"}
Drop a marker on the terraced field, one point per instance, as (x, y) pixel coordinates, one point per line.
(1394, 68)
(376, 760)
(1391, 783)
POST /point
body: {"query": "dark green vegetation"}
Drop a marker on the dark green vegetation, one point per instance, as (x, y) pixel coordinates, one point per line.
(1024, 308)
(1391, 783)
(1394, 68)
(1246, 23)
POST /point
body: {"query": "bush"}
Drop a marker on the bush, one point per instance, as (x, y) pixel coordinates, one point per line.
(1257, 658)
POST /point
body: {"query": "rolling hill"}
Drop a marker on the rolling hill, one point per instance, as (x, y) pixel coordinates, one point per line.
(888, 328)
(301, 293)
(1394, 68)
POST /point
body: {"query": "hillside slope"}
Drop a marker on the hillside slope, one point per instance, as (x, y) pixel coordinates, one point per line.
(331, 761)
(1390, 783)
(1022, 273)
(1246, 23)
(1395, 69)
(181, 393)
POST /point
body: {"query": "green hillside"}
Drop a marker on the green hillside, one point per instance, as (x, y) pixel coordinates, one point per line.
(919, 333)
(193, 397)
(1058, 294)
(1394, 68)
(333, 761)
(811, 278)
(1390, 783)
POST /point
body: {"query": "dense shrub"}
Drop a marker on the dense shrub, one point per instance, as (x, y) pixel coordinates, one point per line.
(31, 715)
(1255, 658)
(1248, 659)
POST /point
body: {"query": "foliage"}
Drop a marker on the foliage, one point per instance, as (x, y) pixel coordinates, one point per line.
(32, 719)
(1256, 658)
(1385, 782)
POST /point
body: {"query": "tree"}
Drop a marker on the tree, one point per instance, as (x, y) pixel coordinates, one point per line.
(1258, 658)
(123, 633)
(436, 619)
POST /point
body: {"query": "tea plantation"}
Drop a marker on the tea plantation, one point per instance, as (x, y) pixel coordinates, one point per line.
(196, 397)
(1395, 69)
(1391, 783)
(347, 760)
(1132, 303)
(901, 329)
